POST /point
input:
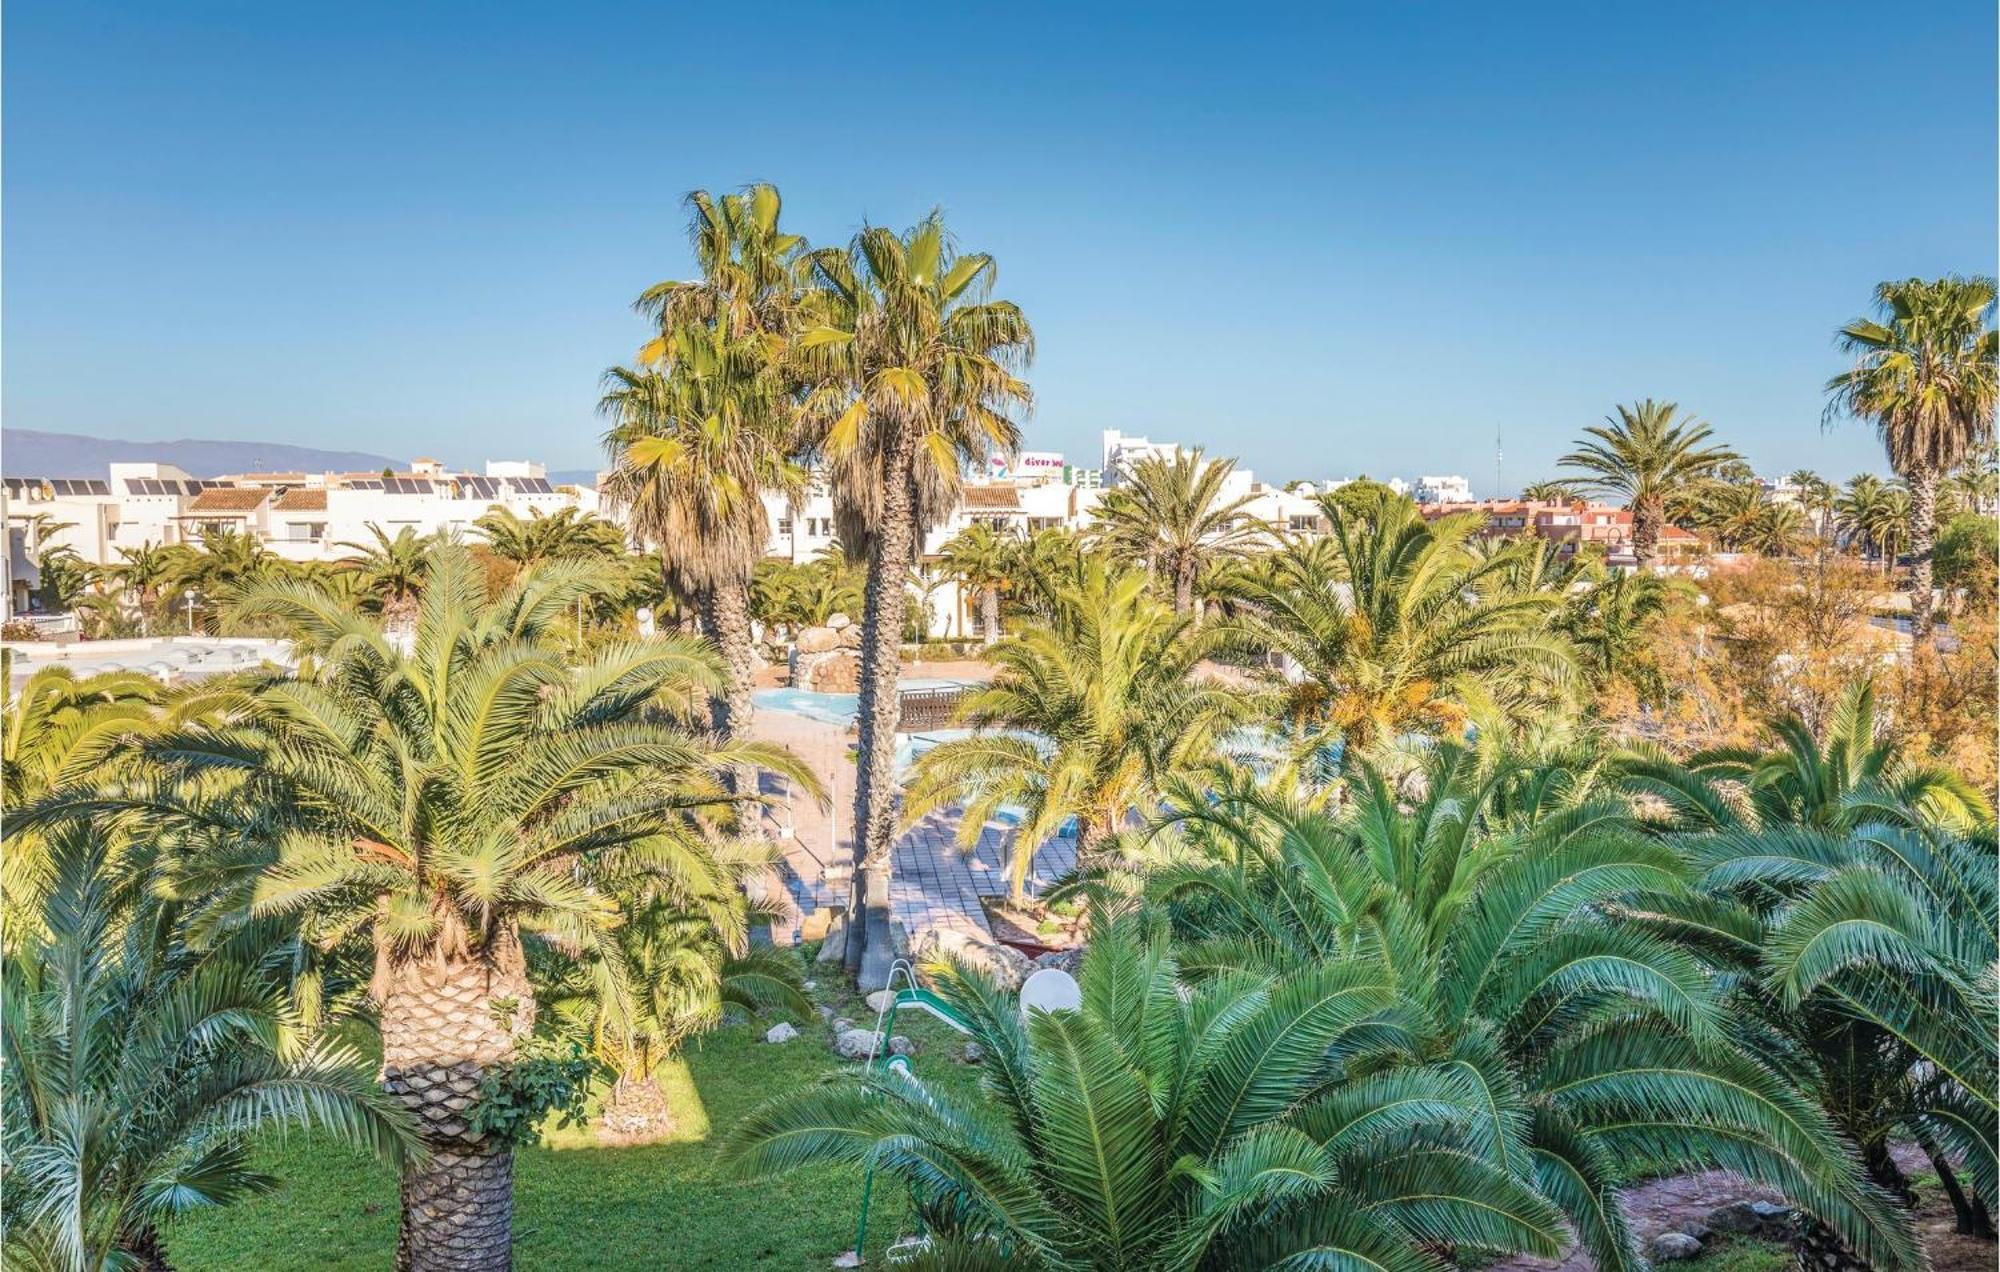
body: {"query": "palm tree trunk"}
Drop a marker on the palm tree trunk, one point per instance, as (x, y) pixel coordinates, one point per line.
(1923, 536)
(445, 1021)
(1968, 1213)
(729, 625)
(869, 942)
(1645, 534)
(989, 614)
(148, 1251)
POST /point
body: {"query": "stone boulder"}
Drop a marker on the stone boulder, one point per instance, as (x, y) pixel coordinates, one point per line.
(857, 1044)
(850, 637)
(901, 1046)
(837, 673)
(1002, 964)
(1672, 1247)
(783, 1031)
(974, 1053)
(837, 621)
(879, 1000)
(841, 1025)
(834, 948)
(817, 640)
(1764, 1220)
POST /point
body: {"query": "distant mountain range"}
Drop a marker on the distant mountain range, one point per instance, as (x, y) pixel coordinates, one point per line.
(26, 452)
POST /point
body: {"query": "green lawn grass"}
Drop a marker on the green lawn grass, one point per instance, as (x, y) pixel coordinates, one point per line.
(579, 1206)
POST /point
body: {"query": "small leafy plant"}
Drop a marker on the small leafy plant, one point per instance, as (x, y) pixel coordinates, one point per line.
(544, 1077)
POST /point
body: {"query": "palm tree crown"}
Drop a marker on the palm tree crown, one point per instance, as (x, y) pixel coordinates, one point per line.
(1924, 372)
(1171, 515)
(1646, 456)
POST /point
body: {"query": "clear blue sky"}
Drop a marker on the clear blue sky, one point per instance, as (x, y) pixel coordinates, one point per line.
(1355, 238)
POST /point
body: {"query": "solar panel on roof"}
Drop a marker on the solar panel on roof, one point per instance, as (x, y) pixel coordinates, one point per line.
(99, 487)
(533, 486)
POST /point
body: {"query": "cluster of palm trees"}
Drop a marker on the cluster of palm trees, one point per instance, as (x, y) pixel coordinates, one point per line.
(476, 838)
(1923, 374)
(158, 588)
(1389, 629)
(887, 365)
(1449, 1014)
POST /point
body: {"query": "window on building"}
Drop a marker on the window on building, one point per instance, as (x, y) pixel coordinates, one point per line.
(819, 527)
(305, 531)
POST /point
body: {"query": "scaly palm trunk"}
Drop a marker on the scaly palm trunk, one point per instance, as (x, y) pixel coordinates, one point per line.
(444, 1023)
(1184, 572)
(728, 619)
(869, 943)
(1646, 518)
(989, 615)
(1923, 537)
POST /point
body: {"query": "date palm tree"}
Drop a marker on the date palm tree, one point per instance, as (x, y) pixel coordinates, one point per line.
(568, 534)
(58, 730)
(705, 424)
(1170, 516)
(1546, 491)
(1178, 1125)
(912, 374)
(1087, 719)
(140, 1069)
(389, 573)
(1875, 514)
(444, 807)
(1509, 901)
(981, 559)
(144, 573)
(1924, 373)
(1401, 628)
(1648, 457)
(674, 965)
(1861, 896)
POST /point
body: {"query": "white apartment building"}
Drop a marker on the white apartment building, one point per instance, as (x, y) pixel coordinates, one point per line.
(1452, 489)
(298, 516)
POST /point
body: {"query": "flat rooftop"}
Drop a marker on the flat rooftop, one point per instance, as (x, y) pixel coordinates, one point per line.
(168, 659)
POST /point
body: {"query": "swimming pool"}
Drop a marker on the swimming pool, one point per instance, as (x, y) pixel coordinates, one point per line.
(837, 709)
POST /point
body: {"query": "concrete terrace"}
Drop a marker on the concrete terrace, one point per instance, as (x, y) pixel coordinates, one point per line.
(935, 885)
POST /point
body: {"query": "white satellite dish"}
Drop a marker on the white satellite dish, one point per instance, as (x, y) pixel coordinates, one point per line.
(1050, 989)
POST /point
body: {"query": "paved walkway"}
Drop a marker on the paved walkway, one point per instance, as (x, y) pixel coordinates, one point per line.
(934, 885)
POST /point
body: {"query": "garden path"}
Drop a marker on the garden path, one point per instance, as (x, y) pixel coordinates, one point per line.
(935, 886)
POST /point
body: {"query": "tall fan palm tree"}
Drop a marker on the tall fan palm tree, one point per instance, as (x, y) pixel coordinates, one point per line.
(444, 805)
(912, 369)
(1506, 902)
(1647, 457)
(1401, 627)
(139, 1069)
(1170, 515)
(705, 424)
(1246, 1121)
(1546, 491)
(1087, 719)
(1924, 373)
(981, 559)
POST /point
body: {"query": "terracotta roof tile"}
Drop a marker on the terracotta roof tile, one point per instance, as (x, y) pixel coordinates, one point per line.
(992, 498)
(301, 501)
(228, 499)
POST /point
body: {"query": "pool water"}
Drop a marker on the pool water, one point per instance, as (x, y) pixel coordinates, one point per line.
(838, 709)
